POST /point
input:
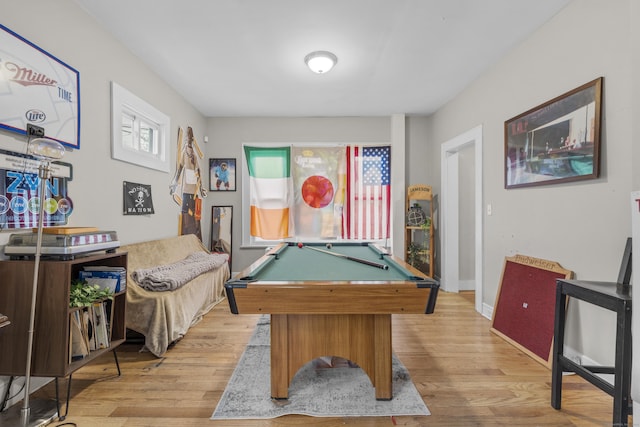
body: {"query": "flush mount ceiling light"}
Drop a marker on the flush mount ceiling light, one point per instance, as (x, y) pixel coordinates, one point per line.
(321, 61)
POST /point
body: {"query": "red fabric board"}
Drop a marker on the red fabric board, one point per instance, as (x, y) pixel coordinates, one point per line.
(525, 308)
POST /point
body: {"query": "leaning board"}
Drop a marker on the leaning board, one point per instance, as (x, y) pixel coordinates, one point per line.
(525, 306)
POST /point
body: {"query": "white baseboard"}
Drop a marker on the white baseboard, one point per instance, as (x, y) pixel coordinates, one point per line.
(581, 359)
(467, 285)
(487, 311)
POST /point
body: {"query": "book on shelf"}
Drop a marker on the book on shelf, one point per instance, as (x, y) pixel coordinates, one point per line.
(78, 344)
(90, 329)
(113, 278)
(87, 328)
(108, 308)
(100, 325)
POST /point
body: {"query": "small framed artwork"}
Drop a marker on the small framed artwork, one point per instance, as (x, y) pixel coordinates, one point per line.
(222, 174)
(556, 142)
(221, 230)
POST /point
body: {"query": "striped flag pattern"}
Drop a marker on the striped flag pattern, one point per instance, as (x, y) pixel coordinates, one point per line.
(271, 192)
(368, 193)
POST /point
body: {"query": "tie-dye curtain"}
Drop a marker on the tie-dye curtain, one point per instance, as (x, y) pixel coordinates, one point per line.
(319, 186)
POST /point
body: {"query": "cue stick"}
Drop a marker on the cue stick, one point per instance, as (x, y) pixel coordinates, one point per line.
(351, 258)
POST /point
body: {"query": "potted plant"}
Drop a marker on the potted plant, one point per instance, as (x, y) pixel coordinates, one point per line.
(82, 294)
(417, 252)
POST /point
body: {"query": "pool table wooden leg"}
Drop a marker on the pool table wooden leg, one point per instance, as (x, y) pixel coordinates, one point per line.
(363, 338)
(279, 358)
(382, 361)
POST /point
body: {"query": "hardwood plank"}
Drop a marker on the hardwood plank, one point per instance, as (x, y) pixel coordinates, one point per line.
(466, 375)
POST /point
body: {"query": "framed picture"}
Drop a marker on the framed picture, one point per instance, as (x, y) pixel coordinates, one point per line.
(221, 230)
(556, 142)
(222, 174)
(38, 89)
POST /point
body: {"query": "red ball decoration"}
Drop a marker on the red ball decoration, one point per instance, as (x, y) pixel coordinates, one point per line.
(317, 191)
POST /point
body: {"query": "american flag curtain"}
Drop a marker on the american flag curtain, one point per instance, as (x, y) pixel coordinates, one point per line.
(368, 201)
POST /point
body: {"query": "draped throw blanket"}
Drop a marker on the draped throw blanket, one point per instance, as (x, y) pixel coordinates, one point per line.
(172, 276)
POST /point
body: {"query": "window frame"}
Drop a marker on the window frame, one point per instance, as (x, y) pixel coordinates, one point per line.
(126, 104)
(248, 241)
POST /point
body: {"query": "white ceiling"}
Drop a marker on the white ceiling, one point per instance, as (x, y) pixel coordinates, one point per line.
(232, 58)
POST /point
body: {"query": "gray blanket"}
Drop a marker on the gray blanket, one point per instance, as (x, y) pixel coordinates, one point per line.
(172, 276)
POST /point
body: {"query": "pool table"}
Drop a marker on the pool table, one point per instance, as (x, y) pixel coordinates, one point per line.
(329, 305)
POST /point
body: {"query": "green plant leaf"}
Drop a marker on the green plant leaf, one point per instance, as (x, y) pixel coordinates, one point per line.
(82, 294)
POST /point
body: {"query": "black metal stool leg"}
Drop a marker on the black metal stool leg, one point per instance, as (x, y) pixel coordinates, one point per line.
(558, 347)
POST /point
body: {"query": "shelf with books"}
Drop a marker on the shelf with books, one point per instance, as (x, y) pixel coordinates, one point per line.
(90, 329)
(52, 355)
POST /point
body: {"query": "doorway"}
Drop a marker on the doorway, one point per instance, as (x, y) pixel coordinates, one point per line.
(457, 184)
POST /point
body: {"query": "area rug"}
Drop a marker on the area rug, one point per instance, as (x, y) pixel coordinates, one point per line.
(315, 391)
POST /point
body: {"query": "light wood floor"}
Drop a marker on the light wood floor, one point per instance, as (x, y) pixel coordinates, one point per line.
(466, 375)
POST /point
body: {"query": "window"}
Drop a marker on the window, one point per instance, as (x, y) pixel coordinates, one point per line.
(138, 131)
(316, 193)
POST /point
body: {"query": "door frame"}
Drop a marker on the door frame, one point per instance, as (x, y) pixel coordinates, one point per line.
(449, 250)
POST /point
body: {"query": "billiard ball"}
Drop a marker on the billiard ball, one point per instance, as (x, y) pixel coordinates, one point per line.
(300, 245)
(329, 246)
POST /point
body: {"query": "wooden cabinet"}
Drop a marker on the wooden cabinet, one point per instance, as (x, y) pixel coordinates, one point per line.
(51, 343)
(419, 228)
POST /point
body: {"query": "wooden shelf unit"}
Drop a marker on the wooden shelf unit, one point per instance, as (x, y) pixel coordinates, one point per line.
(50, 357)
(418, 241)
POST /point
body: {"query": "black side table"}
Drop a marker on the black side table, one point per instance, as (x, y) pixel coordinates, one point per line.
(611, 296)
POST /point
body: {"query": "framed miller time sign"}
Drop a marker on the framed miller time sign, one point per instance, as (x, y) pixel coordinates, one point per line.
(37, 88)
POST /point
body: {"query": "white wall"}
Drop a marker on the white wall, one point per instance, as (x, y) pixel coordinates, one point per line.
(226, 136)
(66, 32)
(583, 226)
(634, 17)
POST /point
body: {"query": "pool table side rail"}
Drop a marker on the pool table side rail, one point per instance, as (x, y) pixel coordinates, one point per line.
(327, 296)
(330, 298)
